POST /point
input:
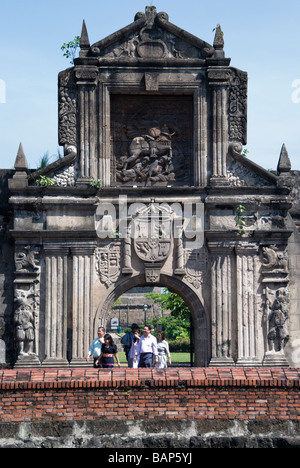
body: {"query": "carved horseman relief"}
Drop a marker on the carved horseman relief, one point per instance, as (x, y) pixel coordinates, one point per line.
(149, 148)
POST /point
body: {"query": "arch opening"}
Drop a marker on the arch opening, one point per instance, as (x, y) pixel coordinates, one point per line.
(200, 341)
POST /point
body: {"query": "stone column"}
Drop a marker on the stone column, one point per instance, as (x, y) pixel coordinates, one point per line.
(247, 309)
(56, 305)
(86, 81)
(221, 304)
(219, 82)
(82, 302)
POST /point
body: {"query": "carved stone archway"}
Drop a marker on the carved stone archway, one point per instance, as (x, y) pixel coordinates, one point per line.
(199, 316)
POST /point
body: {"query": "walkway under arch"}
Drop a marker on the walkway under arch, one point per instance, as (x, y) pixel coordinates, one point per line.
(199, 316)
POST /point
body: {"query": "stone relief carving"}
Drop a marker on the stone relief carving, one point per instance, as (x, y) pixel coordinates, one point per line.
(108, 263)
(67, 109)
(150, 158)
(196, 266)
(152, 238)
(151, 42)
(151, 147)
(277, 316)
(26, 260)
(275, 260)
(24, 320)
(238, 106)
(65, 177)
(27, 301)
(152, 233)
(240, 176)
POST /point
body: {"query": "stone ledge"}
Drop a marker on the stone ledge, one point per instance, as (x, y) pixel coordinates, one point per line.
(37, 379)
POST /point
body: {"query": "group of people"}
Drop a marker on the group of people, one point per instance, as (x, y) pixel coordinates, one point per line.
(142, 350)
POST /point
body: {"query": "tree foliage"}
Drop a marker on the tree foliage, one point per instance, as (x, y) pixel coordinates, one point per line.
(70, 49)
(173, 302)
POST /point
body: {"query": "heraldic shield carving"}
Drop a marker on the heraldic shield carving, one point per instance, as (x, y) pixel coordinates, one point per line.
(152, 238)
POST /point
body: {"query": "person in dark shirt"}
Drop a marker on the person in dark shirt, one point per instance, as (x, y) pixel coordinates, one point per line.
(109, 352)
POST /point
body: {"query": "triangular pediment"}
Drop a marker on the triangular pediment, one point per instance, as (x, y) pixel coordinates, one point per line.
(151, 36)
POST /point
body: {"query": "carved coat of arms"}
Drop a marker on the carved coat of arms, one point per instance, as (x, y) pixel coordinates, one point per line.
(196, 266)
(152, 234)
(108, 264)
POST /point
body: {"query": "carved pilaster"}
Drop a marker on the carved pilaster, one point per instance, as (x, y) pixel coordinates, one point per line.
(219, 82)
(82, 302)
(56, 305)
(27, 305)
(248, 322)
(86, 79)
(221, 304)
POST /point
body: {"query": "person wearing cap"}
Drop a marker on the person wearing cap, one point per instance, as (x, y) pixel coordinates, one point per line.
(127, 340)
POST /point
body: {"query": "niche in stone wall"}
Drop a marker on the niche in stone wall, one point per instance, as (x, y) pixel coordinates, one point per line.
(151, 140)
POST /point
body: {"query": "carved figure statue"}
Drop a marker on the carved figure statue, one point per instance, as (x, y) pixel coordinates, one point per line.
(278, 331)
(24, 322)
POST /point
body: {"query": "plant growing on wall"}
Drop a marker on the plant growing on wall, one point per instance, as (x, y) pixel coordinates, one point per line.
(44, 181)
(96, 183)
(70, 49)
(240, 218)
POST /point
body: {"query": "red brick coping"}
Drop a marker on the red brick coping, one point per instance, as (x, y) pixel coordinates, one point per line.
(24, 379)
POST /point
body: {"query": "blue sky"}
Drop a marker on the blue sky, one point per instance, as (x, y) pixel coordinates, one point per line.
(261, 37)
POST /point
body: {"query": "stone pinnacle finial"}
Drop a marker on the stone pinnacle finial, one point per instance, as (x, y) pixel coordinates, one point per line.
(84, 38)
(21, 161)
(284, 164)
(219, 39)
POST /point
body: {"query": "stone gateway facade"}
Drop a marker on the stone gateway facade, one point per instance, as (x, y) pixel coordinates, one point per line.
(153, 190)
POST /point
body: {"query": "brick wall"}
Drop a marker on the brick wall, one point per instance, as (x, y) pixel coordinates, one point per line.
(150, 408)
(122, 394)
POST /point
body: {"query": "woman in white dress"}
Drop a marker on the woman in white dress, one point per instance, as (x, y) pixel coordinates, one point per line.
(163, 351)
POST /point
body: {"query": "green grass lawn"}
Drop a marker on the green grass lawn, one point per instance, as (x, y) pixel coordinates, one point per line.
(181, 358)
